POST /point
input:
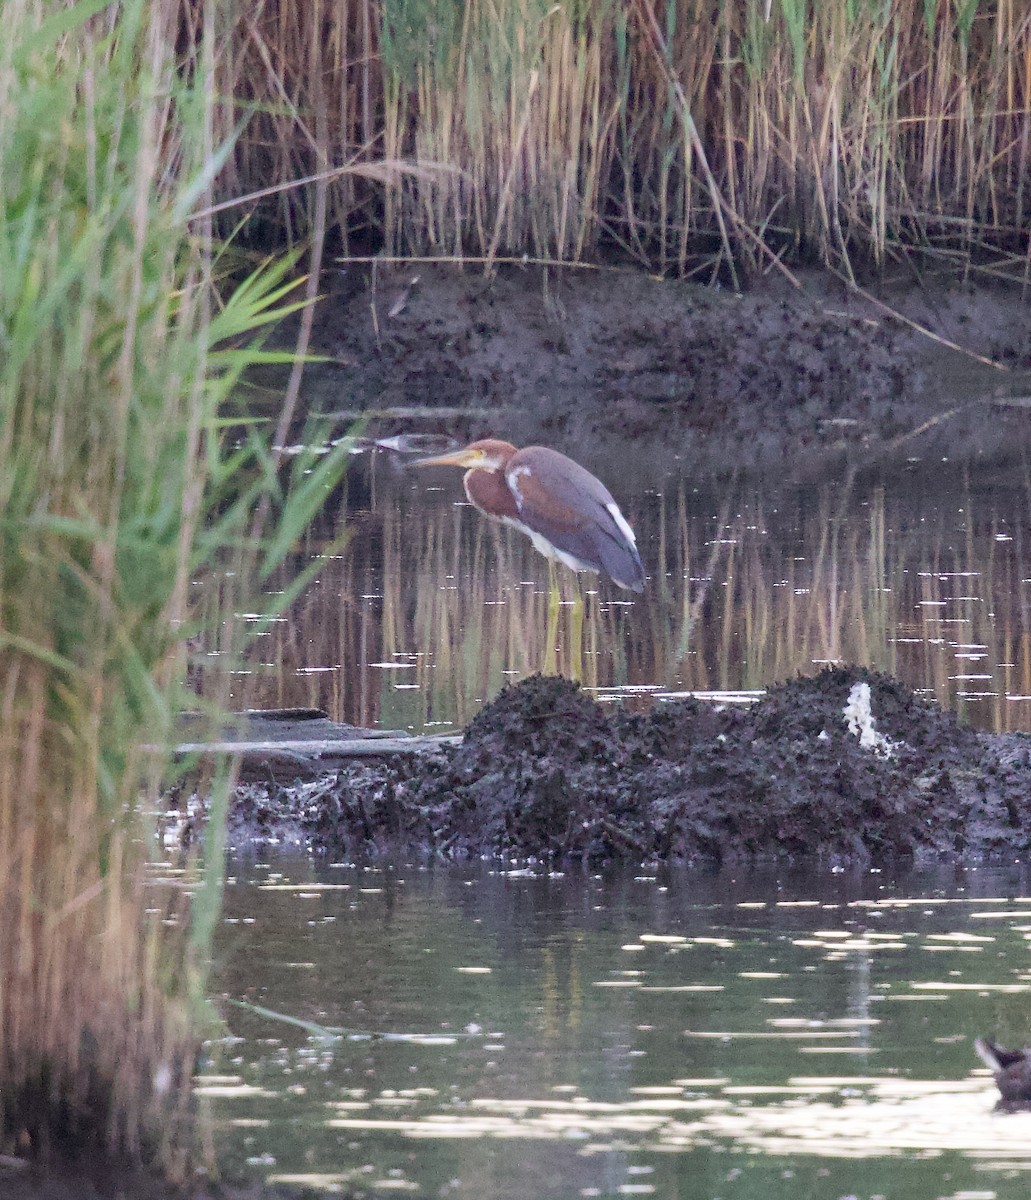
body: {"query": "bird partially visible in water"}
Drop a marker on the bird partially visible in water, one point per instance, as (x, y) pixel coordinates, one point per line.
(1012, 1071)
(567, 513)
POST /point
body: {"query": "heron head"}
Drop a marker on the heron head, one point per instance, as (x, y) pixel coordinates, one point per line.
(490, 454)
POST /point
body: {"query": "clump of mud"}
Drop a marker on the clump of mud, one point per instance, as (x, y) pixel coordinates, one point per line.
(544, 773)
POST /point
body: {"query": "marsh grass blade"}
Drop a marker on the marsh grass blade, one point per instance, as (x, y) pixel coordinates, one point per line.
(119, 486)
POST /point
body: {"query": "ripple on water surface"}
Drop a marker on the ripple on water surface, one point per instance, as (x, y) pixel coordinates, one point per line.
(430, 609)
(696, 1033)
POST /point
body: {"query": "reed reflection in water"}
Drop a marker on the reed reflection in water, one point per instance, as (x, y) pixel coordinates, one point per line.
(430, 610)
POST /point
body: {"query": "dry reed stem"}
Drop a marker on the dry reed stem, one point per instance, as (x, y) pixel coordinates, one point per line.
(859, 125)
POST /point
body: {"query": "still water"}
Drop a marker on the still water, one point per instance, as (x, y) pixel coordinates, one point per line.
(512, 1035)
(428, 609)
(763, 1036)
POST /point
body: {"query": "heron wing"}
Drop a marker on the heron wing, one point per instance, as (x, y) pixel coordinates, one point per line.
(575, 512)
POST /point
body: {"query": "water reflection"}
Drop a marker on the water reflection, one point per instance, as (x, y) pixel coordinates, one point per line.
(689, 1034)
(430, 609)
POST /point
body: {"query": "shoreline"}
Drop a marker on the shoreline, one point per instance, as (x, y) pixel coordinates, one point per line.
(701, 378)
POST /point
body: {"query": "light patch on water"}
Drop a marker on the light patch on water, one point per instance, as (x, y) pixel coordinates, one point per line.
(412, 1039)
(683, 987)
(958, 936)
(863, 1050)
(810, 1022)
(688, 1084)
(953, 949)
(835, 1081)
(1008, 989)
(318, 1180)
(780, 1090)
(232, 1091)
(854, 944)
(306, 889)
(894, 1118)
(766, 1035)
(924, 996)
(845, 1117)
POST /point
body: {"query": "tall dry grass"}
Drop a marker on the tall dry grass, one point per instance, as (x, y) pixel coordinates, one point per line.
(846, 131)
(118, 487)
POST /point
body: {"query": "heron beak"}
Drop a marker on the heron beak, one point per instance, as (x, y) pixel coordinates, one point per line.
(457, 458)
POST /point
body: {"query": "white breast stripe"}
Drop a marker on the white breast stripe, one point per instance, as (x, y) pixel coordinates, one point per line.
(622, 523)
(513, 482)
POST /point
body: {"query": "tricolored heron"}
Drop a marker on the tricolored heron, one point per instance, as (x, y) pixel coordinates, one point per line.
(567, 513)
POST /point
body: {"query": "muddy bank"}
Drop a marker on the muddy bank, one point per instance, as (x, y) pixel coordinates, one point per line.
(545, 774)
(587, 360)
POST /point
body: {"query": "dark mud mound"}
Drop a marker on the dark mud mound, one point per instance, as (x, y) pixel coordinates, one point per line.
(542, 718)
(546, 774)
(790, 777)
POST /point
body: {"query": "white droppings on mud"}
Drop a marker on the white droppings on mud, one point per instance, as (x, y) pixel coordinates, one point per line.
(860, 721)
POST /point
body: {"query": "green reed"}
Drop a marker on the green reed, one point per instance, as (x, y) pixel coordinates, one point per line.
(120, 485)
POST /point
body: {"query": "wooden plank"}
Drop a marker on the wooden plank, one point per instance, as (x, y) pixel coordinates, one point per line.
(292, 743)
(371, 747)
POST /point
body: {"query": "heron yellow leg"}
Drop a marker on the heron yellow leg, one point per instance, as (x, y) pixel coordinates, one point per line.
(576, 635)
(551, 637)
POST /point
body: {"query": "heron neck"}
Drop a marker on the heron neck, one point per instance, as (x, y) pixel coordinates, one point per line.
(491, 494)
